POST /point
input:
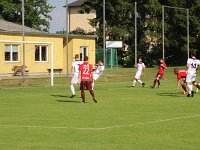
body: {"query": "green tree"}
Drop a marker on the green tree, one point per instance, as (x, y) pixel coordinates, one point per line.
(120, 26)
(36, 12)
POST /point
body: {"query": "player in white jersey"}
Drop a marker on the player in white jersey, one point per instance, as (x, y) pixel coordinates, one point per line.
(98, 71)
(74, 74)
(192, 64)
(140, 71)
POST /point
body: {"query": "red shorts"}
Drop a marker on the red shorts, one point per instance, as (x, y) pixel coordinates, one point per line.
(86, 85)
(159, 76)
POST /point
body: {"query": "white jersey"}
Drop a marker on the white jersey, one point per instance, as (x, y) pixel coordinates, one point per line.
(140, 67)
(76, 65)
(99, 70)
(192, 65)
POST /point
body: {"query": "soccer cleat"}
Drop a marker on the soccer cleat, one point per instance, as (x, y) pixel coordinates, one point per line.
(73, 95)
(192, 94)
(158, 86)
(132, 86)
(151, 86)
(143, 84)
(94, 99)
(188, 95)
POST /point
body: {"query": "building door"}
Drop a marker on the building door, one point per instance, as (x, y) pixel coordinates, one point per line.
(83, 52)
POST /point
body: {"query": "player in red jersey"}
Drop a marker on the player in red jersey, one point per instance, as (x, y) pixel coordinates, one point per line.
(86, 78)
(181, 74)
(161, 71)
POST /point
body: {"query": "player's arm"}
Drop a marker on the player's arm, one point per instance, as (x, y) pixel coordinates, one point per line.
(178, 84)
(72, 71)
(143, 71)
(79, 75)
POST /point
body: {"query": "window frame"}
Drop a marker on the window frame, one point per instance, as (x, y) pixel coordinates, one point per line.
(11, 53)
(40, 54)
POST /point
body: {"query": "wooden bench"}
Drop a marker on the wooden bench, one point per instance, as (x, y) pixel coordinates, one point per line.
(55, 70)
(18, 70)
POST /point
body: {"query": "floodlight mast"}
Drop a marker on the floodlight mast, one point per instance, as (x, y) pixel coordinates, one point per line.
(67, 36)
(23, 39)
(104, 33)
(136, 32)
(163, 28)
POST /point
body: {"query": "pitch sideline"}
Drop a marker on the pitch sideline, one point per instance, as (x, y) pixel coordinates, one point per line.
(102, 128)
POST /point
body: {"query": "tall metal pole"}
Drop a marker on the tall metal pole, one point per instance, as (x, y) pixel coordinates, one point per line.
(23, 39)
(136, 32)
(163, 31)
(188, 34)
(67, 32)
(104, 33)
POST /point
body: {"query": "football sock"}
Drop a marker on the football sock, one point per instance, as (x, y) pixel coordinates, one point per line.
(158, 82)
(92, 93)
(184, 87)
(134, 82)
(92, 85)
(190, 88)
(83, 95)
(154, 83)
(140, 81)
(72, 89)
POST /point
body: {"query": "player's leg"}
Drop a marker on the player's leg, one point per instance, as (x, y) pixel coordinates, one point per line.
(73, 82)
(184, 87)
(137, 76)
(89, 87)
(82, 87)
(95, 77)
(155, 80)
(190, 79)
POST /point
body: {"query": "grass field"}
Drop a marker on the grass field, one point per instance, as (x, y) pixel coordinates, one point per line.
(45, 118)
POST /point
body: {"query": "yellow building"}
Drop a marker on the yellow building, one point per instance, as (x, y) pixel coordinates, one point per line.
(38, 54)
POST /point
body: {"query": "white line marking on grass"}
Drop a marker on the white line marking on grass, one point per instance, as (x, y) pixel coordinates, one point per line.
(102, 128)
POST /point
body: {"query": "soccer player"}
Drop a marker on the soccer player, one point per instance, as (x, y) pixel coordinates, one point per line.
(181, 74)
(161, 71)
(99, 68)
(140, 71)
(86, 79)
(192, 64)
(74, 74)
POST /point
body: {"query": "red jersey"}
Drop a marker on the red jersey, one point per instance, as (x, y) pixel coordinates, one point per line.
(86, 71)
(162, 68)
(181, 74)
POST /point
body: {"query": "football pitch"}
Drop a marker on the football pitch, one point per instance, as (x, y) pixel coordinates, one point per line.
(46, 118)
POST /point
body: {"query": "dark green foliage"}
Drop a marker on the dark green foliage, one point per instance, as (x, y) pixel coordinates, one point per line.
(36, 12)
(120, 26)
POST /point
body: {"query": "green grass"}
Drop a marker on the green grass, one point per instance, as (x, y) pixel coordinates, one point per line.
(45, 118)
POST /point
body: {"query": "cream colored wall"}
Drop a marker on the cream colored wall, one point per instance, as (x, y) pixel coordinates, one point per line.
(34, 67)
(81, 20)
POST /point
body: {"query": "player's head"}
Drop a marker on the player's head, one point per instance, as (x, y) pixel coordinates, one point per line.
(86, 58)
(140, 59)
(100, 62)
(162, 60)
(76, 56)
(193, 55)
(175, 71)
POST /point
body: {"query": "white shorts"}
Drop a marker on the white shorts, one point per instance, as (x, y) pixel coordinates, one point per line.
(75, 78)
(95, 76)
(191, 77)
(137, 75)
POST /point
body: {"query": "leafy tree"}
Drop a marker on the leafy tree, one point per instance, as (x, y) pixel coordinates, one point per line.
(36, 12)
(120, 26)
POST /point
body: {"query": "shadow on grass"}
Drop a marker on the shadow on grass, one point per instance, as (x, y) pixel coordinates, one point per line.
(69, 101)
(169, 94)
(61, 96)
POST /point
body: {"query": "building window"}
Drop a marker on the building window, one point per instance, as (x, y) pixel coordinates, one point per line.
(83, 52)
(41, 53)
(11, 52)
